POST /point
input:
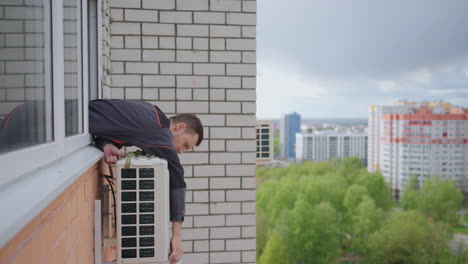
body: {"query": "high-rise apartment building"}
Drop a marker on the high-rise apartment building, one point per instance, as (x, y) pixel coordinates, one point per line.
(264, 140)
(326, 146)
(418, 138)
(289, 126)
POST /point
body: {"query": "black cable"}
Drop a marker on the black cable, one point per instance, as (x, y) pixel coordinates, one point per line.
(113, 195)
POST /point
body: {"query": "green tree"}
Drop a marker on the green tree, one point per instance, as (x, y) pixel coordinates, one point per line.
(262, 232)
(413, 183)
(441, 200)
(462, 256)
(310, 212)
(438, 198)
(330, 187)
(377, 188)
(276, 196)
(349, 168)
(408, 237)
(314, 233)
(353, 197)
(409, 199)
(276, 251)
(366, 219)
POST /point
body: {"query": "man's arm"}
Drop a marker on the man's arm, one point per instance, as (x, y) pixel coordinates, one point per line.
(176, 243)
(176, 181)
(177, 203)
(177, 197)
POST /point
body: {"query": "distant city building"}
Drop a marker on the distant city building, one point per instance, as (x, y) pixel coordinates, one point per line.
(418, 138)
(289, 126)
(264, 140)
(327, 146)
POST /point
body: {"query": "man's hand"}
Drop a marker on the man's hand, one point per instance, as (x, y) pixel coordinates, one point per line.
(112, 154)
(176, 244)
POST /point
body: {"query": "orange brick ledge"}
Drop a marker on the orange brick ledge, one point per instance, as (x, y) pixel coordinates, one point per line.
(64, 231)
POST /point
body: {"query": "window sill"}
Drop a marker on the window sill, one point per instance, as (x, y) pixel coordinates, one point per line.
(26, 197)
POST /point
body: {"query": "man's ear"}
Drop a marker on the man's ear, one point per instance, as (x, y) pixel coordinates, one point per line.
(180, 126)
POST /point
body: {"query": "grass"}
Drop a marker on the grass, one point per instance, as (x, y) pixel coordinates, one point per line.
(461, 229)
(465, 219)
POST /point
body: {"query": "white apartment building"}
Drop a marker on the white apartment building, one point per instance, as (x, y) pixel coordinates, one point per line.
(326, 146)
(424, 139)
(264, 140)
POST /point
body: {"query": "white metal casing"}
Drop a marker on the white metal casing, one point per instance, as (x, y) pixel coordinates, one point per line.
(134, 234)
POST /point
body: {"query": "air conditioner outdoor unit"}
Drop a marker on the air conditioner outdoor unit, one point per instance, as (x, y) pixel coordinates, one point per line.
(142, 210)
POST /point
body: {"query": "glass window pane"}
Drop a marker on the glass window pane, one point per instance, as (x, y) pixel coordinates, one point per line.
(25, 71)
(72, 67)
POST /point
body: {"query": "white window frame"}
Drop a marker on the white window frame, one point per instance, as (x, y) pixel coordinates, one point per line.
(74, 142)
(17, 164)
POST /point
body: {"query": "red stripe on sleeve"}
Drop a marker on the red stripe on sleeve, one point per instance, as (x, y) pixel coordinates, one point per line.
(157, 115)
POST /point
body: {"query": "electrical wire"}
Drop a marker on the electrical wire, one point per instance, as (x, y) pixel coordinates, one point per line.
(113, 195)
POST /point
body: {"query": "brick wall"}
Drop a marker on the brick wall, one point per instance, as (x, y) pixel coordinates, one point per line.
(198, 56)
(61, 233)
(105, 45)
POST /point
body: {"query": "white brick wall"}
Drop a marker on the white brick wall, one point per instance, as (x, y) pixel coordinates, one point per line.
(225, 31)
(175, 17)
(160, 4)
(209, 18)
(158, 29)
(141, 15)
(225, 82)
(225, 5)
(198, 56)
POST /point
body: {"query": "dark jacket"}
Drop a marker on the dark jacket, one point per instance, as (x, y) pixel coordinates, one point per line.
(144, 125)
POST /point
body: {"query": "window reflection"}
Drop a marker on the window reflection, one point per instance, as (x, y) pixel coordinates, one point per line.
(25, 90)
(72, 67)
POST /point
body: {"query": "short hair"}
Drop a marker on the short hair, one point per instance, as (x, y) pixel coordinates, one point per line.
(194, 125)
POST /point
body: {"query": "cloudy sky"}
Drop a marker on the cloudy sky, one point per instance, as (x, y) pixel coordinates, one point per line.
(334, 58)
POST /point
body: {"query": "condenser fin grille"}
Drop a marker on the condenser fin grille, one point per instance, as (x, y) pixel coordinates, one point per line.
(129, 253)
(129, 231)
(146, 173)
(146, 230)
(129, 185)
(128, 173)
(146, 242)
(147, 219)
(146, 207)
(142, 210)
(128, 242)
(146, 196)
(128, 219)
(128, 196)
(128, 207)
(146, 253)
(146, 184)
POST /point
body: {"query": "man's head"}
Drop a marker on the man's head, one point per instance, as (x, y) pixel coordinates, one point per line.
(187, 131)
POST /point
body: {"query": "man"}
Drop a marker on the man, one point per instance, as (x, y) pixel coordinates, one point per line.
(117, 123)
